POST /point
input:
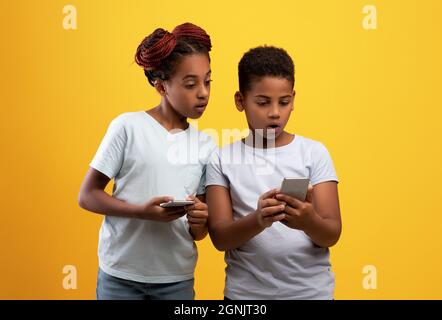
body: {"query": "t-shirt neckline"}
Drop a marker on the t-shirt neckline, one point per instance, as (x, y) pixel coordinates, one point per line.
(274, 149)
(155, 121)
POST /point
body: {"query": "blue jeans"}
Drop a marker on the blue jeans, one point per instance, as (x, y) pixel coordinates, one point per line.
(112, 288)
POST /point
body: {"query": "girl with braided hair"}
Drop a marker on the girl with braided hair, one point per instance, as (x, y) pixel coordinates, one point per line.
(147, 251)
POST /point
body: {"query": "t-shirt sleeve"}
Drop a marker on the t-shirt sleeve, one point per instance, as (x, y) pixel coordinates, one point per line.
(110, 154)
(202, 185)
(214, 173)
(322, 165)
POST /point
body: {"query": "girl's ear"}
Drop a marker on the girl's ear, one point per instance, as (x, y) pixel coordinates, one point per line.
(239, 101)
(160, 87)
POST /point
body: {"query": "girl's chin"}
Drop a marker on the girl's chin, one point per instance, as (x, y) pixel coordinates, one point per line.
(195, 116)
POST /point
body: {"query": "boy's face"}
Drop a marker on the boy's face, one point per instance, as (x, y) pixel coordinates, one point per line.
(267, 105)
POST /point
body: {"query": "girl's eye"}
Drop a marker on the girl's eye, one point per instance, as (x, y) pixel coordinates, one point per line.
(261, 103)
(190, 86)
(208, 82)
(284, 103)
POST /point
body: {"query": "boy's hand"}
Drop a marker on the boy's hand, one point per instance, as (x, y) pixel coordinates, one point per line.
(197, 213)
(269, 209)
(298, 214)
(151, 210)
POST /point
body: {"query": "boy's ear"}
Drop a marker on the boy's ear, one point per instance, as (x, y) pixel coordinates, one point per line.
(160, 87)
(239, 101)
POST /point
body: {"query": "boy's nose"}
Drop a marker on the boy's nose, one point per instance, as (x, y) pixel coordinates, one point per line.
(274, 112)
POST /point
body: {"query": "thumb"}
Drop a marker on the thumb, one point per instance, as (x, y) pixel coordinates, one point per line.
(309, 196)
(162, 199)
(194, 198)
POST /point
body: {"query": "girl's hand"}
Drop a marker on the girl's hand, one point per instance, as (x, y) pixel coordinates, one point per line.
(299, 215)
(197, 213)
(151, 210)
(269, 209)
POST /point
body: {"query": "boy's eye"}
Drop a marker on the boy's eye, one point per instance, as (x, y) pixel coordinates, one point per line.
(284, 103)
(190, 85)
(208, 81)
(261, 103)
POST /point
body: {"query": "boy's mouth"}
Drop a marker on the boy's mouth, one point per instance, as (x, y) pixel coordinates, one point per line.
(273, 126)
(273, 129)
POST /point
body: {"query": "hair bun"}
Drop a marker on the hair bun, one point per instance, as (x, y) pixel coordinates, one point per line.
(154, 48)
(190, 30)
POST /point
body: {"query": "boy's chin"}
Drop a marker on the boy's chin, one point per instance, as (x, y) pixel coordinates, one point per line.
(267, 134)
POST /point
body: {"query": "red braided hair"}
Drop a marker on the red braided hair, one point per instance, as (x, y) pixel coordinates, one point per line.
(161, 43)
(190, 30)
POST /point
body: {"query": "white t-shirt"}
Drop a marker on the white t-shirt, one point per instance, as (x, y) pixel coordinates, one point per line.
(280, 262)
(148, 161)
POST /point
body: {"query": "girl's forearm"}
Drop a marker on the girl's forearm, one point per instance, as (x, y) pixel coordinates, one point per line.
(198, 232)
(99, 201)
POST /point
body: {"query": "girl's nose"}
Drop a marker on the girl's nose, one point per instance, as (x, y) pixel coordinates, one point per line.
(203, 93)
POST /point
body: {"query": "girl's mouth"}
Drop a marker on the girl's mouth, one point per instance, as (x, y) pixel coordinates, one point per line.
(201, 108)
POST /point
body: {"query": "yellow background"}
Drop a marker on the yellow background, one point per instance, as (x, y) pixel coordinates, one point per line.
(371, 96)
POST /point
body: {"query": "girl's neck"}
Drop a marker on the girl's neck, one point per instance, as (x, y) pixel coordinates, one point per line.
(259, 142)
(168, 117)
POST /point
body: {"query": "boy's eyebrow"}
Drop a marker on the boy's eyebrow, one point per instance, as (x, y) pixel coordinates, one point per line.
(195, 76)
(266, 97)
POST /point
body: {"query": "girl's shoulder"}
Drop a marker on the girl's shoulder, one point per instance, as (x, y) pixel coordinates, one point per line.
(128, 119)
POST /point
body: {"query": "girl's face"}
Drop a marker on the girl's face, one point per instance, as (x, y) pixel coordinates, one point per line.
(188, 89)
(267, 105)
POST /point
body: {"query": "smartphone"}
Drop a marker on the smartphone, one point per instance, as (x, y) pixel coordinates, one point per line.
(295, 187)
(176, 203)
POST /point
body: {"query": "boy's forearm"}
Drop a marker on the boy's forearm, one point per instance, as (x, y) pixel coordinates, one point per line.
(231, 235)
(323, 232)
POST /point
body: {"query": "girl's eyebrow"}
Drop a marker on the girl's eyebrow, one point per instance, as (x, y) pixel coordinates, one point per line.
(195, 76)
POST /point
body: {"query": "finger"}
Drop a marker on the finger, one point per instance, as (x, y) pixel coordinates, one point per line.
(277, 217)
(309, 196)
(197, 206)
(162, 199)
(271, 202)
(269, 211)
(196, 220)
(193, 198)
(291, 212)
(198, 214)
(269, 194)
(293, 202)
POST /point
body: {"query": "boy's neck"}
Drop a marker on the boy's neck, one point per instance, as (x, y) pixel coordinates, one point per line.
(257, 141)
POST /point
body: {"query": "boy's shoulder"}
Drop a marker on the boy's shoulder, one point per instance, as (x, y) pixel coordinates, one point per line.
(308, 142)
